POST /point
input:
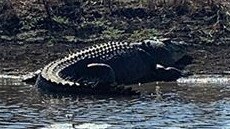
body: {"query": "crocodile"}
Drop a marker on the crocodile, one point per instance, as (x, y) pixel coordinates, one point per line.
(99, 67)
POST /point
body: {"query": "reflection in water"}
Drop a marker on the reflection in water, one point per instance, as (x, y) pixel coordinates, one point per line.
(80, 126)
(179, 105)
(190, 92)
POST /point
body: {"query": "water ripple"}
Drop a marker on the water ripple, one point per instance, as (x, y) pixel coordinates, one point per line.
(163, 105)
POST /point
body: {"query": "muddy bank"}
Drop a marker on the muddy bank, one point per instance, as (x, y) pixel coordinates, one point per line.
(207, 59)
(38, 37)
(210, 59)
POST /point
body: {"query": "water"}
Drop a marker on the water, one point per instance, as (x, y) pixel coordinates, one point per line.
(163, 105)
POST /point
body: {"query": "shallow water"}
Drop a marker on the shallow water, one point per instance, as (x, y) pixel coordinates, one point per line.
(162, 105)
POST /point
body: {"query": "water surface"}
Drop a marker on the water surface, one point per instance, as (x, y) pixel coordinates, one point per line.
(162, 105)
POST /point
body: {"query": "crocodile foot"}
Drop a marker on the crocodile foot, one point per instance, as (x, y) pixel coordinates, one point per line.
(169, 73)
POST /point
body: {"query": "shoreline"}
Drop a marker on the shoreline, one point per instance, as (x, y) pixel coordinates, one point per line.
(23, 59)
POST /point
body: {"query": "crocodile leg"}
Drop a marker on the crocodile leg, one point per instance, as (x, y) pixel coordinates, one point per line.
(168, 73)
(99, 73)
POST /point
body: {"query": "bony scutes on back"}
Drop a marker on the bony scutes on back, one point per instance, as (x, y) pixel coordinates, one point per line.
(125, 62)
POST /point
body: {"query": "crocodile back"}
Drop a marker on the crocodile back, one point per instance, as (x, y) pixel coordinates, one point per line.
(121, 56)
(130, 61)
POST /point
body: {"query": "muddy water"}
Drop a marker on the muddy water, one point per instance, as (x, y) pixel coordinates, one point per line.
(162, 105)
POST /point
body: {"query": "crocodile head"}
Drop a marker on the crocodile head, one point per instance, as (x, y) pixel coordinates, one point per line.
(177, 49)
(168, 52)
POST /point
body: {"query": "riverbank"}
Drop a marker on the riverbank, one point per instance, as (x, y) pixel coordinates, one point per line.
(30, 37)
(21, 59)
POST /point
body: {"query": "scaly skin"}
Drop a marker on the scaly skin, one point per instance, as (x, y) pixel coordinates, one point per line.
(115, 62)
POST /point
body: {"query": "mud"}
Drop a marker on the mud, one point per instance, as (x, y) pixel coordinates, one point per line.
(213, 59)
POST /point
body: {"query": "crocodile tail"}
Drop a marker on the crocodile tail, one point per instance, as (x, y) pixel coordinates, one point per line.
(31, 77)
(49, 86)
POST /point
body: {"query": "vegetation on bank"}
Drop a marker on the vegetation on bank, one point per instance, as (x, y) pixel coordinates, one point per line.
(74, 21)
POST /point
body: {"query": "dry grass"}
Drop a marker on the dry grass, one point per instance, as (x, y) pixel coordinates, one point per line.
(176, 3)
(151, 4)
